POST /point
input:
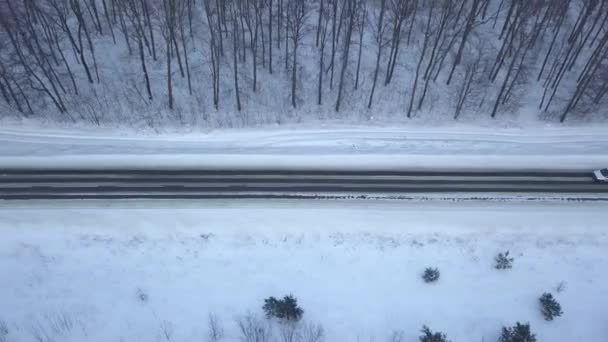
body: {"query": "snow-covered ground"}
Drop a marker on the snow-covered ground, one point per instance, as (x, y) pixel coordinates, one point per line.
(79, 272)
(329, 147)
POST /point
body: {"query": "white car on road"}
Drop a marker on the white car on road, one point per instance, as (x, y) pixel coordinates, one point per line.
(601, 175)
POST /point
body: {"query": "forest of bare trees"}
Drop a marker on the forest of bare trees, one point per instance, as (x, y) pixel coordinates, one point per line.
(242, 62)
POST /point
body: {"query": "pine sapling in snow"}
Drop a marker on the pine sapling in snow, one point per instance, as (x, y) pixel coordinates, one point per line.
(518, 333)
(503, 261)
(142, 296)
(430, 275)
(283, 309)
(550, 307)
(429, 336)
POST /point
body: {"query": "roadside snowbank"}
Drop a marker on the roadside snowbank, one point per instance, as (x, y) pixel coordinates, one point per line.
(366, 162)
(331, 148)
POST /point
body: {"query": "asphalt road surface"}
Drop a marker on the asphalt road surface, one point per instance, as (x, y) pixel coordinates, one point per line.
(134, 184)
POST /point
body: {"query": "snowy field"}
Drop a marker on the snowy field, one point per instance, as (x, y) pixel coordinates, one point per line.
(148, 271)
(330, 147)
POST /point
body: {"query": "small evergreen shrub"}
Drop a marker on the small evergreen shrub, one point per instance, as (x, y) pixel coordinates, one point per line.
(284, 309)
(142, 296)
(550, 307)
(429, 336)
(503, 262)
(430, 275)
(518, 333)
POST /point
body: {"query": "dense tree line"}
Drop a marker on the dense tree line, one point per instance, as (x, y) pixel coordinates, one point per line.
(481, 56)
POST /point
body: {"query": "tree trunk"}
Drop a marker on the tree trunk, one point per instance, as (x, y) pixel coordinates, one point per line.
(321, 8)
(349, 31)
(293, 75)
(361, 33)
(123, 26)
(378, 54)
(467, 31)
(149, 24)
(424, 46)
(184, 48)
(142, 59)
(235, 40)
(333, 41)
(506, 81)
(169, 76)
(107, 16)
(270, 36)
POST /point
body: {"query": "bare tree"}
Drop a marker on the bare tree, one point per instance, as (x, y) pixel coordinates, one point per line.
(320, 16)
(560, 10)
(396, 336)
(322, 43)
(361, 23)
(473, 13)
(92, 9)
(336, 26)
(427, 36)
(446, 12)
(270, 36)
(215, 330)
(146, 10)
(345, 52)
(170, 23)
(470, 77)
(592, 71)
(123, 27)
(82, 27)
(213, 24)
(379, 37)
(399, 11)
(235, 51)
(108, 20)
(512, 72)
(311, 332)
(61, 10)
(134, 14)
(298, 11)
(289, 331)
(4, 76)
(5, 93)
(183, 14)
(257, 11)
(253, 329)
(42, 76)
